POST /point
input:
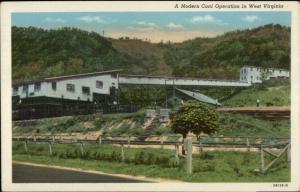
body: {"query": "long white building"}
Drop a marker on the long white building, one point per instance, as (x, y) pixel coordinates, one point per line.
(81, 87)
(253, 74)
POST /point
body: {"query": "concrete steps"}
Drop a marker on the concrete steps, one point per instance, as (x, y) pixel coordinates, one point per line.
(148, 128)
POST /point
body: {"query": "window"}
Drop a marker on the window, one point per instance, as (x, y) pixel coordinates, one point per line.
(53, 85)
(86, 90)
(15, 90)
(70, 87)
(99, 84)
(113, 75)
(37, 86)
(25, 88)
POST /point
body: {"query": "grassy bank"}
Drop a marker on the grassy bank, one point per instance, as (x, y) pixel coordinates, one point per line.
(114, 124)
(245, 125)
(156, 163)
(276, 93)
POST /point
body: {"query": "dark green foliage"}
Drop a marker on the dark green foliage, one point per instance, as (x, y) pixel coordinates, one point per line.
(195, 117)
(60, 52)
(70, 51)
(222, 57)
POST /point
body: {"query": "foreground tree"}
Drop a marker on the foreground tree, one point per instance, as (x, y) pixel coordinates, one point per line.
(195, 117)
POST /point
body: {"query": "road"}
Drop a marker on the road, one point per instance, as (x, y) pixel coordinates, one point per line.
(36, 174)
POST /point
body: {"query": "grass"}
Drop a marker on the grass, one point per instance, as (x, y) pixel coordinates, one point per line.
(114, 124)
(208, 166)
(277, 93)
(245, 125)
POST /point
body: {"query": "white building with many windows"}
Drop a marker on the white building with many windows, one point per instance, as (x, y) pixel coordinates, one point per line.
(253, 74)
(75, 87)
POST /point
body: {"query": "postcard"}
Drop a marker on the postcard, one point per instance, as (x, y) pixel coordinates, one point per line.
(150, 96)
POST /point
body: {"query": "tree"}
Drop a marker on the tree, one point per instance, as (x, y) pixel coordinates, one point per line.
(195, 117)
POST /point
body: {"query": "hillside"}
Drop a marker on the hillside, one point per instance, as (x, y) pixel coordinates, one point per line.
(70, 51)
(222, 57)
(277, 93)
(65, 51)
(150, 55)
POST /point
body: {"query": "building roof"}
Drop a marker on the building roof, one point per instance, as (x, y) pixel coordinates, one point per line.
(264, 68)
(200, 97)
(81, 75)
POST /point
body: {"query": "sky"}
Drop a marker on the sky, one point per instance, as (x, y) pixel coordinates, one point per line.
(154, 26)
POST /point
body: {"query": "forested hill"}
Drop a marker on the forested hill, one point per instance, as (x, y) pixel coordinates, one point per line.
(40, 53)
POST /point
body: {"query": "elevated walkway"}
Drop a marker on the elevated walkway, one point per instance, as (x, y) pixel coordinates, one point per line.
(160, 80)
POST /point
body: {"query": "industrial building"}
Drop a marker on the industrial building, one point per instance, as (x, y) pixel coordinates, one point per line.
(253, 74)
(98, 92)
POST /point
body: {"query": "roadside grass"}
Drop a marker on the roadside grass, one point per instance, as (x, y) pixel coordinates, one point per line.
(244, 125)
(155, 163)
(276, 93)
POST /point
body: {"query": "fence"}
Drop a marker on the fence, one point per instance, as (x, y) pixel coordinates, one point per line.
(188, 145)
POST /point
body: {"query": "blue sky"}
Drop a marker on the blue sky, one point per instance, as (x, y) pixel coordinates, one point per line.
(156, 26)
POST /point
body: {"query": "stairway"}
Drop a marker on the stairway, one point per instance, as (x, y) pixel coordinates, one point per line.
(148, 128)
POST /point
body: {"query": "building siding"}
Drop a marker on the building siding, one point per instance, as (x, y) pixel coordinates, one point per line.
(61, 91)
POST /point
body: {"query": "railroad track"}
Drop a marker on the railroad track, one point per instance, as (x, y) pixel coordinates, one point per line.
(261, 112)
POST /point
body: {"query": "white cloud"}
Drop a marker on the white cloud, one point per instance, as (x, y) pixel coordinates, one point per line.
(97, 19)
(203, 19)
(144, 26)
(207, 19)
(148, 24)
(174, 26)
(54, 20)
(250, 18)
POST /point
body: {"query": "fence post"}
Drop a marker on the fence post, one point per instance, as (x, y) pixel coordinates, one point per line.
(122, 152)
(26, 147)
(100, 140)
(50, 148)
(34, 138)
(53, 138)
(161, 142)
(81, 148)
(176, 154)
(200, 145)
(288, 153)
(128, 142)
(188, 158)
(248, 144)
(262, 161)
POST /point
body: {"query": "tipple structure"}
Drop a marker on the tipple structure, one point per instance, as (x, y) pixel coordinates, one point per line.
(93, 92)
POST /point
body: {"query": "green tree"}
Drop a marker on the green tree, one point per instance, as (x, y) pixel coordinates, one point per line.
(195, 117)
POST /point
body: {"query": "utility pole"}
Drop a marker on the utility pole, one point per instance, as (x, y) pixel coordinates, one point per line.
(173, 88)
(166, 93)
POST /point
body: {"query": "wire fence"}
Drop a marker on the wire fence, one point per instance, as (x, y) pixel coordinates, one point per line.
(165, 140)
(189, 146)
